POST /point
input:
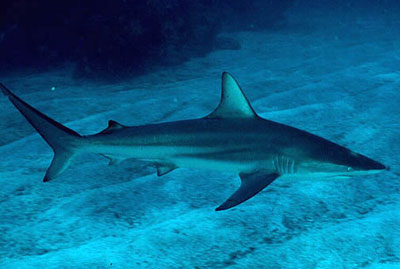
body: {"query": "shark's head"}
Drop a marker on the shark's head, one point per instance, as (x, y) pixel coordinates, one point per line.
(329, 159)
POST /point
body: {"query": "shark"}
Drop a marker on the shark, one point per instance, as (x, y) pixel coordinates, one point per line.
(232, 138)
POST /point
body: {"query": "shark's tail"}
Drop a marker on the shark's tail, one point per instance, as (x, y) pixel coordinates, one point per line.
(64, 141)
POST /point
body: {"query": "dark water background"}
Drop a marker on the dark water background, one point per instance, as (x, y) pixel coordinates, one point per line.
(113, 38)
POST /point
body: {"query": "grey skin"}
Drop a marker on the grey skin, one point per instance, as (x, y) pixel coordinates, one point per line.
(232, 138)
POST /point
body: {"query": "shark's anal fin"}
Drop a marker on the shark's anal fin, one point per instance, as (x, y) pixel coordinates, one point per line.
(112, 126)
(234, 103)
(251, 184)
(112, 160)
(163, 169)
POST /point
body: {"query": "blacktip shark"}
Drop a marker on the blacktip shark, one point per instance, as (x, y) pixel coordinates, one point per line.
(232, 138)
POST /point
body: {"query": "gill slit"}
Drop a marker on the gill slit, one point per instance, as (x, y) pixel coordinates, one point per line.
(284, 165)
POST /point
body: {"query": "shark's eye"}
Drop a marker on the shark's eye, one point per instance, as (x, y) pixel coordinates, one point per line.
(349, 169)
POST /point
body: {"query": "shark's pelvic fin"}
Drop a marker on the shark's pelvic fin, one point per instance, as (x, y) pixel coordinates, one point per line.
(163, 169)
(112, 126)
(234, 103)
(114, 161)
(251, 184)
(61, 139)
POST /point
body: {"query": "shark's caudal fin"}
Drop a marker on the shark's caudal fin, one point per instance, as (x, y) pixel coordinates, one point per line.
(61, 139)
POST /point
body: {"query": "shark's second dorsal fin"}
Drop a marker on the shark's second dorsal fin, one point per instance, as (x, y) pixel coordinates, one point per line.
(234, 103)
(163, 169)
(112, 126)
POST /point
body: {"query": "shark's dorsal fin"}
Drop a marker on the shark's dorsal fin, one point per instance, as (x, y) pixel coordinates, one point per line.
(234, 103)
(112, 126)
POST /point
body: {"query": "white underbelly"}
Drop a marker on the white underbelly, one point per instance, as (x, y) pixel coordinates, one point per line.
(220, 165)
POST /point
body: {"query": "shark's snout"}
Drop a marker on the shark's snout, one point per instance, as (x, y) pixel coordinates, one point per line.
(361, 162)
(374, 165)
(380, 166)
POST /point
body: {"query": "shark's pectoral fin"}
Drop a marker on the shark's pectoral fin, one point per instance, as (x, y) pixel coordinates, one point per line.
(251, 184)
(163, 169)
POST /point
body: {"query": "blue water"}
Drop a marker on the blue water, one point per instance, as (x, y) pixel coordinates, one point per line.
(331, 69)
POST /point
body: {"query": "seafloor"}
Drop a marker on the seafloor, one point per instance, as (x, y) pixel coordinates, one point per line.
(337, 80)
